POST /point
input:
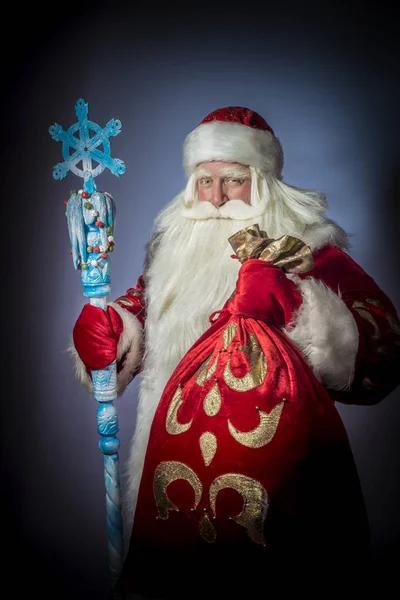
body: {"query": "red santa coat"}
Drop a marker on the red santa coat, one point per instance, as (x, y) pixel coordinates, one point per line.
(248, 470)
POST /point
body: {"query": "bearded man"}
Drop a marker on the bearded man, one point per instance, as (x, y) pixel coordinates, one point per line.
(249, 322)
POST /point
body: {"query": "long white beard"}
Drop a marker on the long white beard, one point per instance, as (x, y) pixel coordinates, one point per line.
(191, 276)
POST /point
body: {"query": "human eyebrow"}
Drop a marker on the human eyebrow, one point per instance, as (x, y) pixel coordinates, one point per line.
(235, 173)
(202, 174)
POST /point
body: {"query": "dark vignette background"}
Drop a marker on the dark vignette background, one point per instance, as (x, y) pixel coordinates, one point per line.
(326, 77)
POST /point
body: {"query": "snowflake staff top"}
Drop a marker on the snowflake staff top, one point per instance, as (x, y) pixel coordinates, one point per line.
(90, 214)
(86, 147)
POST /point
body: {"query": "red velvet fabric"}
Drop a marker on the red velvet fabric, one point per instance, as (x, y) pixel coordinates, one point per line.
(264, 292)
(238, 114)
(96, 334)
(304, 467)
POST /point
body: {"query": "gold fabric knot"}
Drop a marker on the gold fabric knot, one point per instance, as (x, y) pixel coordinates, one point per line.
(287, 252)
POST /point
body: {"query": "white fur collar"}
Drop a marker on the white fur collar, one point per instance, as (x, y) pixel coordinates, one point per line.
(323, 234)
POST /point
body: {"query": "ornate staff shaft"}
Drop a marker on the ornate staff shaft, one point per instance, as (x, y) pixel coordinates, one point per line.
(91, 219)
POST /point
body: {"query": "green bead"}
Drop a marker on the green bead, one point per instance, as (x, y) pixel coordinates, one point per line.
(84, 266)
(89, 248)
(110, 249)
(88, 205)
(109, 229)
(72, 192)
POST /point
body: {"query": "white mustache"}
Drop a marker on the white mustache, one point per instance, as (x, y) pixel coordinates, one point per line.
(233, 209)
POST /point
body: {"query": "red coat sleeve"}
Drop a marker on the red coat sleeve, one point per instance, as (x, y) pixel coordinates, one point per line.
(377, 367)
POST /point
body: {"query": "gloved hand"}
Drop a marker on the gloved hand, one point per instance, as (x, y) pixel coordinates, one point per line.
(264, 292)
(96, 334)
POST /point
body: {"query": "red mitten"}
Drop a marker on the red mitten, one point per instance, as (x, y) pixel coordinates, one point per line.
(264, 292)
(96, 334)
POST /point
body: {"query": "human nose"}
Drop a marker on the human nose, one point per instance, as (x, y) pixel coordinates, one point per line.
(218, 197)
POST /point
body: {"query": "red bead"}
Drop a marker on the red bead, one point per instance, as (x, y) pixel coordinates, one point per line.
(104, 255)
(96, 249)
(65, 202)
(111, 243)
(85, 194)
(70, 250)
(99, 224)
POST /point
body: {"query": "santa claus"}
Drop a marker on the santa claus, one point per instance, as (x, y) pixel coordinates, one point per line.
(249, 321)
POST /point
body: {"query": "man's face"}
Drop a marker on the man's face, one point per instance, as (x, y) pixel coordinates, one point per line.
(218, 182)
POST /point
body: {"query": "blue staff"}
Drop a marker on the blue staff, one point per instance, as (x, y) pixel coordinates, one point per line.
(91, 218)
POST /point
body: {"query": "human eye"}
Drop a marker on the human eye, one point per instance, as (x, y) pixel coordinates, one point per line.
(235, 181)
(204, 181)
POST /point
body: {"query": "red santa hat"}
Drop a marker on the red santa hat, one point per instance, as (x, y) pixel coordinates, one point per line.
(234, 134)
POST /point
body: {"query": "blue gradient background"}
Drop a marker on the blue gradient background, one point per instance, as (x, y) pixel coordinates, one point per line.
(326, 79)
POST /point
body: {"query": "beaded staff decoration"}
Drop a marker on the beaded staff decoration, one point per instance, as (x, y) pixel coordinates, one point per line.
(91, 217)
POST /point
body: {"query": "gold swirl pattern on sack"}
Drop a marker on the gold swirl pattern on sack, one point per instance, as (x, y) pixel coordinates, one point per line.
(206, 529)
(212, 402)
(171, 423)
(258, 368)
(206, 371)
(263, 433)
(208, 446)
(255, 499)
(166, 473)
(257, 437)
(228, 335)
(255, 503)
(254, 378)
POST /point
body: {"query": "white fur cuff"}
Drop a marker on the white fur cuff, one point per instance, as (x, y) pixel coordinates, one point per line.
(130, 347)
(129, 350)
(326, 333)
